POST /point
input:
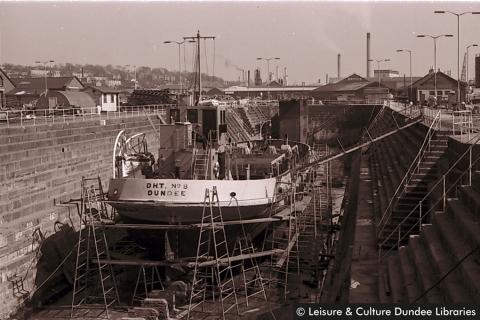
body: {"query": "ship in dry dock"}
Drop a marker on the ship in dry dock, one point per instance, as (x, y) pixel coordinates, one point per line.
(169, 189)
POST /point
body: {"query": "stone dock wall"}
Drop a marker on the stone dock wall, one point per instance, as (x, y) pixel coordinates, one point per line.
(43, 165)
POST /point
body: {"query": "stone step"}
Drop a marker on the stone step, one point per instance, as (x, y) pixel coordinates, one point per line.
(452, 285)
(423, 268)
(458, 248)
(395, 279)
(476, 181)
(408, 272)
(465, 221)
(471, 199)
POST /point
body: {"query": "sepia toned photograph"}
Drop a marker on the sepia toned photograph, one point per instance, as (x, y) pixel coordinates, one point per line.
(253, 160)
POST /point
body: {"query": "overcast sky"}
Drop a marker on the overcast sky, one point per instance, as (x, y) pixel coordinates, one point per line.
(306, 36)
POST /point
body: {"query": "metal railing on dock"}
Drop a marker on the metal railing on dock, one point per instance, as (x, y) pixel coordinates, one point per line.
(22, 118)
(447, 185)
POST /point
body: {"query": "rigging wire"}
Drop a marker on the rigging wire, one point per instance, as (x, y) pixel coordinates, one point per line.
(214, 55)
(206, 57)
(194, 67)
(184, 65)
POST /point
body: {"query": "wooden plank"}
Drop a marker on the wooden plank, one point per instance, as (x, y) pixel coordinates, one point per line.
(286, 252)
(189, 264)
(239, 258)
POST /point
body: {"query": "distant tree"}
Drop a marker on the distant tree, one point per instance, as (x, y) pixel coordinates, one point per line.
(68, 69)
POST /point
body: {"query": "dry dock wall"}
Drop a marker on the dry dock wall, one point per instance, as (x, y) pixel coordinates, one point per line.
(40, 165)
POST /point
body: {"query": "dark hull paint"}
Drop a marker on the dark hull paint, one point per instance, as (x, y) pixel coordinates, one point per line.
(184, 242)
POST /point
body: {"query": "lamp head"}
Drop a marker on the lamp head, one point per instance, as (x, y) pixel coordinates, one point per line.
(259, 58)
(439, 11)
(449, 35)
(420, 36)
(399, 50)
(167, 41)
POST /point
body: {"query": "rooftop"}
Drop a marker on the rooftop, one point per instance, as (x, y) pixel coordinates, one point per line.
(270, 89)
(53, 83)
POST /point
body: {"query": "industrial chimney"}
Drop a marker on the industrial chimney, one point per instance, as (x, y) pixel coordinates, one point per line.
(285, 76)
(368, 54)
(248, 78)
(338, 66)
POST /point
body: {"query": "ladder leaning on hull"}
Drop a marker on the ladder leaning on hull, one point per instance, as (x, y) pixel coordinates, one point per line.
(212, 244)
(94, 286)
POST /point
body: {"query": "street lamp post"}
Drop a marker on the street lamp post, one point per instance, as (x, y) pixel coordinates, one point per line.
(435, 57)
(268, 71)
(458, 44)
(45, 73)
(179, 43)
(378, 67)
(179, 63)
(410, 57)
(468, 47)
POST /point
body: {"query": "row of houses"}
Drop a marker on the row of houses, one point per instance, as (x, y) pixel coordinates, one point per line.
(56, 92)
(66, 92)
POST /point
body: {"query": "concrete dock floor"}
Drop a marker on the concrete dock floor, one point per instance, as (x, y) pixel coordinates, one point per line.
(364, 268)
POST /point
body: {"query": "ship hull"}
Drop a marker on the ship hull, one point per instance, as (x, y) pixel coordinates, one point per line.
(183, 243)
(182, 202)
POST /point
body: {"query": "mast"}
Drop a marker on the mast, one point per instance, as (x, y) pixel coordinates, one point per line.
(198, 75)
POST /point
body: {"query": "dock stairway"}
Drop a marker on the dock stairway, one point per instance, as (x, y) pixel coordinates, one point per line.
(94, 286)
(440, 264)
(414, 185)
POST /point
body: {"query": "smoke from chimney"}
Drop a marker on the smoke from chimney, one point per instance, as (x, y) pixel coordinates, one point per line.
(368, 54)
(338, 66)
